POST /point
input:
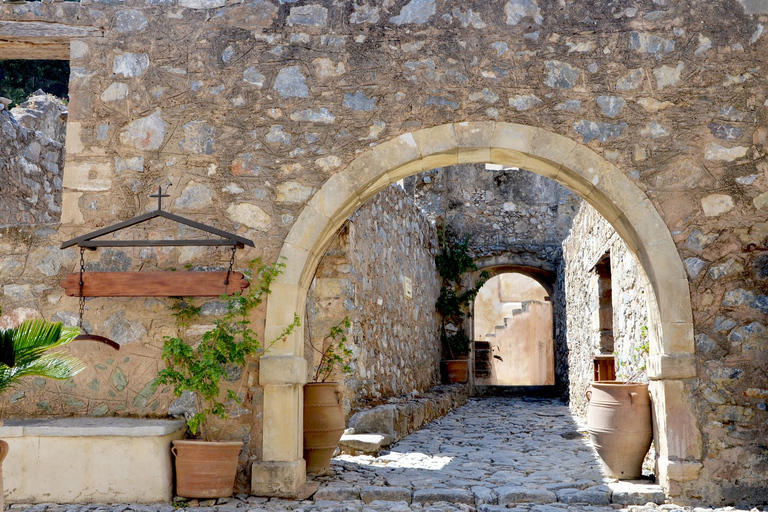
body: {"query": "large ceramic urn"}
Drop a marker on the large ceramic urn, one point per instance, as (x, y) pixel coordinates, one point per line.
(620, 426)
(323, 424)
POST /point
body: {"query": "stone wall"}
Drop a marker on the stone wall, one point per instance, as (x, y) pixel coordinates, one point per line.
(31, 160)
(395, 339)
(503, 211)
(249, 107)
(592, 237)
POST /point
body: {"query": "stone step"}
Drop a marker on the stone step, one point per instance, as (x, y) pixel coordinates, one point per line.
(635, 492)
(366, 444)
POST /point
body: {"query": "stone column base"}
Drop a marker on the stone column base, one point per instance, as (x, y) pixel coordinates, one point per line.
(277, 478)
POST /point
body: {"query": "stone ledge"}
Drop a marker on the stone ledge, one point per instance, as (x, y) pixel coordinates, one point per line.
(395, 420)
(90, 427)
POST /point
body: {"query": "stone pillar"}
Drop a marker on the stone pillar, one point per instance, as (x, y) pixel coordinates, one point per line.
(283, 470)
(679, 445)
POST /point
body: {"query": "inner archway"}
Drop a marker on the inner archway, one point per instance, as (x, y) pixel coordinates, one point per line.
(513, 333)
(571, 164)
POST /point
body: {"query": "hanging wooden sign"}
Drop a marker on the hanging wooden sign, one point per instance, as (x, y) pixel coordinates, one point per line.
(154, 284)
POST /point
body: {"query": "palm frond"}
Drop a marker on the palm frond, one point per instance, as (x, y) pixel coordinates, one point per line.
(33, 338)
(30, 356)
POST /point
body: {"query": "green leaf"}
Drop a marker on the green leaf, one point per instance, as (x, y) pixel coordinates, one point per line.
(28, 350)
(199, 365)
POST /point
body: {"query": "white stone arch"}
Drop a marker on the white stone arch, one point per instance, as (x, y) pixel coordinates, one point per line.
(600, 183)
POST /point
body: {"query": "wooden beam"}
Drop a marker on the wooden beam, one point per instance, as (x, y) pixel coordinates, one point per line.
(40, 31)
(154, 284)
(36, 40)
(34, 51)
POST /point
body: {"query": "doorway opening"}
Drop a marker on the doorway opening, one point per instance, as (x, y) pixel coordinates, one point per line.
(514, 336)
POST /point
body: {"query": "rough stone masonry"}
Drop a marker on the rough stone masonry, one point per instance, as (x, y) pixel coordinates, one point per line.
(249, 107)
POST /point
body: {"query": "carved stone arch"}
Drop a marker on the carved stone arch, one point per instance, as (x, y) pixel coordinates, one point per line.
(544, 274)
(600, 183)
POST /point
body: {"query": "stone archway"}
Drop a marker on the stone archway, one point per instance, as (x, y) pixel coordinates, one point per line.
(513, 327)
(573, 165)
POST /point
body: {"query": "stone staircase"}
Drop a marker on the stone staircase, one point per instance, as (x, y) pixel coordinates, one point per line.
(484, 358)
(484, 352)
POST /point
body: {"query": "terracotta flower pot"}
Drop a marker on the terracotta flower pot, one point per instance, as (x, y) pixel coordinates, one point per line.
(455, 370)
(3, 453)
(620, 426)
(323, 424)
(205, 469)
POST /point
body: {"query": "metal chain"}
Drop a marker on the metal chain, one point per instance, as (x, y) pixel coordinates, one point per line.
(82, 297)
(231, 264)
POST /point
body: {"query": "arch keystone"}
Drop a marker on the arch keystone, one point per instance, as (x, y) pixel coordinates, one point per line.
(474, 135)
(473, 141)
(517, 137)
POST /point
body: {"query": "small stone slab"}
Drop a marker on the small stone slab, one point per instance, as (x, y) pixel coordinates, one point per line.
(385, 506)
(483, 495)
(337, 493)
(598, 495)
(369, 444)
(509, 495)
(447, 495)
(578, 484)
(331, 505)
(636, 492)
(373, 493)
(492, 508)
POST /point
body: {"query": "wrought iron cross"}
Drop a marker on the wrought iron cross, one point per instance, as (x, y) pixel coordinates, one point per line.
(160, 196)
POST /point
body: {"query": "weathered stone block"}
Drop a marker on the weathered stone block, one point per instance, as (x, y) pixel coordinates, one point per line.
(371, 493)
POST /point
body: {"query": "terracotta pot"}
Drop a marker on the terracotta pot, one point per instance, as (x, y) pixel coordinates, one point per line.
(456, 370)
(205, 469)
(323, 424)
(3, 452)
(620, 426)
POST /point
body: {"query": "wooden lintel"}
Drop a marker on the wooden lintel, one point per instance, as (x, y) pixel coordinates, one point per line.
(33, 31)
(154, 284)
(36, 40)
(34, 51)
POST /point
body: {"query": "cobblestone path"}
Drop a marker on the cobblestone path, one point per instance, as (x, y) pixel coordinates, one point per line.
(490, 455)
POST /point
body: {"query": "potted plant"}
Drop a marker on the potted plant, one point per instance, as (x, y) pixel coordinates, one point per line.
(206, 466)
(453, 262)
(27, 350)
(619, 418)
(323, 415)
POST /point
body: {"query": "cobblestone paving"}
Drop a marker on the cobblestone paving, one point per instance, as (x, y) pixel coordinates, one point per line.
(490, 455)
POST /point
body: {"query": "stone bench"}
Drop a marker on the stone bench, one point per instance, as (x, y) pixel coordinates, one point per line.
(89, 460)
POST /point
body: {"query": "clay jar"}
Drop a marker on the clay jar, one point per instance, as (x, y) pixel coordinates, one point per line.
(323, 424)
(620, 426)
